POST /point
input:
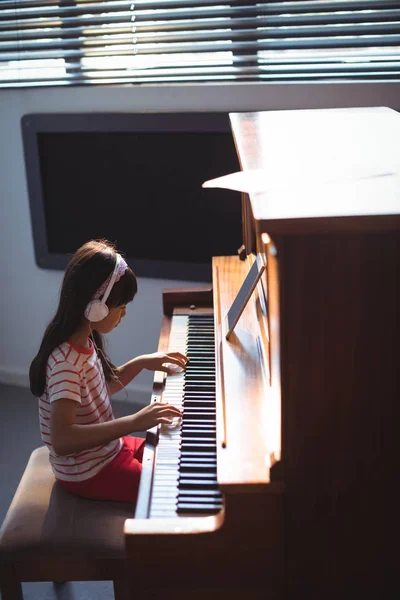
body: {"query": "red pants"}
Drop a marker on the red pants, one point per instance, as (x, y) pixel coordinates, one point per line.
(118, 480)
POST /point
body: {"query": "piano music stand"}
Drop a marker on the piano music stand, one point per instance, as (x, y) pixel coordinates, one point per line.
(244, 294)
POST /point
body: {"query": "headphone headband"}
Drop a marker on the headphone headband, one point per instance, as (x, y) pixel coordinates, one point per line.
(112, 280)
(97, 309)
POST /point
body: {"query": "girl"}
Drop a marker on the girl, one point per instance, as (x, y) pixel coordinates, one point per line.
(91, 452)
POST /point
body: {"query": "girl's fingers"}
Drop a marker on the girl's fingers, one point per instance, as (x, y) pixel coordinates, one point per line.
(179, 362)
(178, 366)
(169, 410)
(177, 354)
(175, 361)
(161, 407)
(175, 369)
(173, 413)
(179, 358)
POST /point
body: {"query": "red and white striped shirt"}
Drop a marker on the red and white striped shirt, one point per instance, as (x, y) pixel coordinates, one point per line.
(77, 373)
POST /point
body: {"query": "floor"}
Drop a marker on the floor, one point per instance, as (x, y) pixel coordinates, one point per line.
(19, 430)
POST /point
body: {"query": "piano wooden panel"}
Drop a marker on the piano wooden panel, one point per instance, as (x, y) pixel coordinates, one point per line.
(248, 422)
(338, 255)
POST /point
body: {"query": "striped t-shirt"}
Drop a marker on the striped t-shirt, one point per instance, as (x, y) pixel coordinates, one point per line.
(76, 373)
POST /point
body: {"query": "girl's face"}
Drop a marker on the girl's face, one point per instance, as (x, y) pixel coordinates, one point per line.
(112, 319)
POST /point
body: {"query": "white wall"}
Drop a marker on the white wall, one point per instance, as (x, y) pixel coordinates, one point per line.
(28, 295)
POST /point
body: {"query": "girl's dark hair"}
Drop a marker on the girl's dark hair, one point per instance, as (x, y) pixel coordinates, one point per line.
(89, 267)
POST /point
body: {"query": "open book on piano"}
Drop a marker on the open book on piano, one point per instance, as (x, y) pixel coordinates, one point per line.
(275, 484)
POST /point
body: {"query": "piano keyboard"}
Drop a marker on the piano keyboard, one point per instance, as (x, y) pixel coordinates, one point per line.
(185, 478)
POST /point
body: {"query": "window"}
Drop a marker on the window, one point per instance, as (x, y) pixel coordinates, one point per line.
(80, 42)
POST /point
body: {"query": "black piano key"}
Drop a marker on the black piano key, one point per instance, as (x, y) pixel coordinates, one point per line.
(196, 447)
(200, 432)
(201, 320)
(199, 402)
(206, 364)
(198, 439)
(198, 409)
(209, 508)
(204, 409)
(192, 393)
(195, 423)
(199, 368)
(198, 426)
(210, 484)
(207, 378)
(199, 387)
(200, 415)
(197, 467)
(192, 382)
(199, 391)
(200, 396)
(203, 362)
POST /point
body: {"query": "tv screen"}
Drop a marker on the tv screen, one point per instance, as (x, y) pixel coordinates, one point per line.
(136, 180)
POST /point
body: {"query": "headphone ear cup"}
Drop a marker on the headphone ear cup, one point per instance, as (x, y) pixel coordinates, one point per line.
(96, 311)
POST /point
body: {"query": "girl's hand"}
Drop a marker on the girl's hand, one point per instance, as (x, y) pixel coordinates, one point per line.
(155, 413)
(156, 361)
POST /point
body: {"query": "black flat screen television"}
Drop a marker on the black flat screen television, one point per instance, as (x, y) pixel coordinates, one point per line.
(135, 179)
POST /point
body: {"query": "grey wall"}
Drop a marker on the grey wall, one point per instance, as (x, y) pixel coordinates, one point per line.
(28, 295)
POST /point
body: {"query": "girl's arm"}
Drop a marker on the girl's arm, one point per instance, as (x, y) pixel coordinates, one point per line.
(67, 437)
(151, 362)
(126, 373)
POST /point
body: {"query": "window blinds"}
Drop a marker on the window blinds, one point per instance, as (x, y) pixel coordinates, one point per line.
(77, 42)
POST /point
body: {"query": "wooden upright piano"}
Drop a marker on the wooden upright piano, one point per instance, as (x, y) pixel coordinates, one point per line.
(281, 480)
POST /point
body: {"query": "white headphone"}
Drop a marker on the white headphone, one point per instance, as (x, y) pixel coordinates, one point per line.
(97, 310)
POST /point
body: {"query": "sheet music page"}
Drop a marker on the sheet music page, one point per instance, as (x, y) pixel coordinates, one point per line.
(244, 294)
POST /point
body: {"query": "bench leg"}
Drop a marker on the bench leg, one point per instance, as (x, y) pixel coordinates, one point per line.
(11, 590)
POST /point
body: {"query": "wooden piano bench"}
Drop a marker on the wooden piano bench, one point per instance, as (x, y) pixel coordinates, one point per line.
(50, 535)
